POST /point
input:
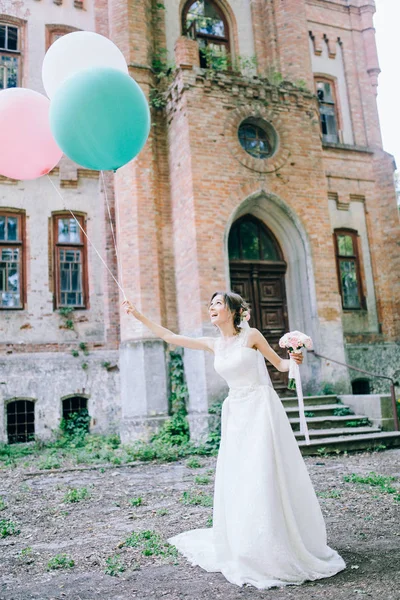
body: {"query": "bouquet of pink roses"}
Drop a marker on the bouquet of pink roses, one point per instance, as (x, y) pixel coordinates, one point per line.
(294, 342)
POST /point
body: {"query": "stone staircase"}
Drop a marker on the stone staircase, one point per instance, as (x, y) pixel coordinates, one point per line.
(334, 427)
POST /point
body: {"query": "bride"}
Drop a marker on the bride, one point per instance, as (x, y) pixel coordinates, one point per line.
(268, 529)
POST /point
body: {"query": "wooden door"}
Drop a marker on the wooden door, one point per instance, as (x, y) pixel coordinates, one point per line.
(262, 284)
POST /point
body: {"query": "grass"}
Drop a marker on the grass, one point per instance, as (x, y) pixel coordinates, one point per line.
(329, 494)
(76, 495)
(25, 555)
(193, 463)
(201, 480)
(383, 482)
(162, 512)
(50, 462)
(3, 505)
(73, 445)
(8, 527)
(60, 561)
(199, 499)
(150, 543)
(342, 411)
(114, 565)
(136, 501)
(359, 423)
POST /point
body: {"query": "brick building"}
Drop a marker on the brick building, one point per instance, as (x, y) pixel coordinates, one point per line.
(264, 172)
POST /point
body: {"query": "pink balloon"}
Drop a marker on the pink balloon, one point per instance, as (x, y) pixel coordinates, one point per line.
(27, 146)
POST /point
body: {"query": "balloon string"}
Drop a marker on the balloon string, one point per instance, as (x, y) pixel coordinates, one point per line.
(87, 237)
(119, 264)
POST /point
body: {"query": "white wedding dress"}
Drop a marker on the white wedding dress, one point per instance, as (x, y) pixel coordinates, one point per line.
(268, 529)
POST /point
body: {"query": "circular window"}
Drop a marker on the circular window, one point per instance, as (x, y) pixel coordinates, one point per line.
(258, 138)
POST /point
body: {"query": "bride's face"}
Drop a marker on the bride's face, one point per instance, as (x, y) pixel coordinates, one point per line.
(218, 311)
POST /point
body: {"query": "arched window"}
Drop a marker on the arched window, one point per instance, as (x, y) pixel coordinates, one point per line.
(250, 240)
(20, 421)
(75, 412)
(204, 21)
(73, 404)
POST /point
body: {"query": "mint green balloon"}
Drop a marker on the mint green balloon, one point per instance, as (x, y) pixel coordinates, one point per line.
(100, 118)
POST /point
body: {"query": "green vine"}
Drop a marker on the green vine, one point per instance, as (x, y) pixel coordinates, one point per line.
(175, 430)
(179, 391)
(76, 424)
(215, 61)
(160, 66)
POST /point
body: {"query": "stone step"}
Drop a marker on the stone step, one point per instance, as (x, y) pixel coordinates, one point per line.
(366, 441)
(328, 422)
(310, 400)
(319, 410)
(337, 432)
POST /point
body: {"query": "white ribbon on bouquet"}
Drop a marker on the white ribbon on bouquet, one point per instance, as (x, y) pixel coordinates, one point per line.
(294, 373)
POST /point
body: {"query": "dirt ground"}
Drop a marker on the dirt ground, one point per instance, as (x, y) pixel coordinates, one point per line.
(363, 524)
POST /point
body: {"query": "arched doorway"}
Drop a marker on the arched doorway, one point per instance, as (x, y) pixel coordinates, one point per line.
(257, 272)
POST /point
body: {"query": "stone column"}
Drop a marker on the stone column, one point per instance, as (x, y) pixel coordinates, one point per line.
(291, 32)
(135, 28)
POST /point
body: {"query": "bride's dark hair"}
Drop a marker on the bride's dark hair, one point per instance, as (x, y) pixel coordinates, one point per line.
(236, 305)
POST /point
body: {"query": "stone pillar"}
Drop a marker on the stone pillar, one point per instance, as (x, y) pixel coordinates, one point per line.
(265, 37)
(370, 72)
(190, 304)
(291, 31)
(187, 53)
(135, 29)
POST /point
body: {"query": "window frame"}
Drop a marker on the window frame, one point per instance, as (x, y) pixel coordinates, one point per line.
(332, 82)
(57, 246)
(357, 259)
(7, 21)
(220, 41)
(260, 227)
(21, 243)
(54, 29)
(6, 407)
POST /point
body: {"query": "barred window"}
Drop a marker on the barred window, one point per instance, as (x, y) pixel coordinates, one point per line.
(70, 262)
(11, 260)
(20, 421)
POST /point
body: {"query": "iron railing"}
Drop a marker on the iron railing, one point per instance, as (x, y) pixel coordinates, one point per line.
(392, 390)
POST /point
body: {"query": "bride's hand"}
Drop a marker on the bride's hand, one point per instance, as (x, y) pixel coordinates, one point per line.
(130, 308)
(298, 358)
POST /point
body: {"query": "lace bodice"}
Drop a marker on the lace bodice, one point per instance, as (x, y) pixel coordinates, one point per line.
(238, 364)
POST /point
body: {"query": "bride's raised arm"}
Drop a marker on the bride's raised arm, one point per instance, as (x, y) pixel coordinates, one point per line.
(201, 343)
(258, 341)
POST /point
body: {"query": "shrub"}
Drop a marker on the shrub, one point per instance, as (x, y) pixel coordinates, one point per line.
(8, 527)
(60, 561)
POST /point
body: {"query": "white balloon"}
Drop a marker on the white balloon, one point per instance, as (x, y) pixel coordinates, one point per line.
(78, 51)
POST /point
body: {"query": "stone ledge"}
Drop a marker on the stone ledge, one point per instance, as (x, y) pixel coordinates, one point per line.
(347, 147)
